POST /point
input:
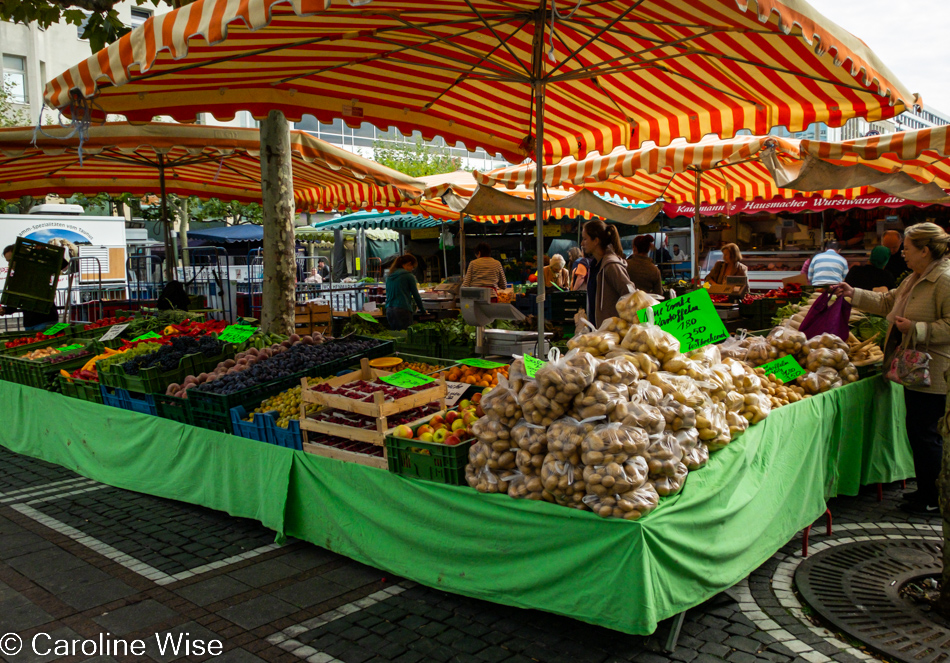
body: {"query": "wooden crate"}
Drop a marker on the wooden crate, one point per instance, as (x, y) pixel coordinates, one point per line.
(380, 408)
(380, 462)
(310, 318)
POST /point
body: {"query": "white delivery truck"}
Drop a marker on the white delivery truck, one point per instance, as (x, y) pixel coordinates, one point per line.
(99, 240)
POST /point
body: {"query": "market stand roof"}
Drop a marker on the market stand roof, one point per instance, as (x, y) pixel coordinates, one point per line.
(199, 160)
(369, 220)
(613, 74)
(245, 232)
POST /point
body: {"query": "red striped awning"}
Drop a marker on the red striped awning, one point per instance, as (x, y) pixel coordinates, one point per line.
(203, 161)
(733, 170)
(615, 74)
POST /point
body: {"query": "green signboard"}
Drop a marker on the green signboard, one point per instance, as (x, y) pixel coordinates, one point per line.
(406, 379)
(236, 333)
(55, 329)
(785, 369)
(481, 363)
(531, 365)
(692, 319)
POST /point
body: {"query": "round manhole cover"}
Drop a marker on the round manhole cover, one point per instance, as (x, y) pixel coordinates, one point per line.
(856, 587)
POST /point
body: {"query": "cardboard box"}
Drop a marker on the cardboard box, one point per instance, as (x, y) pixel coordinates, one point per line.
(798, 278)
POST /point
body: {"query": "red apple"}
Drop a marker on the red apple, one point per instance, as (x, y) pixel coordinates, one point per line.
(469, 418)
(465, 404)
(423, 429)
(440, 435)
(477, 398)
(436, 421)
(479, 412)
(452, 440)
(403, 431)
(450, 417)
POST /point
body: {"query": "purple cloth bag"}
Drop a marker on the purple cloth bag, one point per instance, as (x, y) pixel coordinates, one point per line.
(823, 318)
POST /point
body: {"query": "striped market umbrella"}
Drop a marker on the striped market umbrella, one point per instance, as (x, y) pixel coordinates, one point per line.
(540, 78)
(911, 165)
(195, 160)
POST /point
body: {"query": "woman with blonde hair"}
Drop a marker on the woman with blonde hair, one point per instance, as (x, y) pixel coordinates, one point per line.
(555, 273)
(919, 313)
(730, 265)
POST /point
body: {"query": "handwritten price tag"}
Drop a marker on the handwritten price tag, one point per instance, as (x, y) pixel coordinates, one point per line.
(785, 369)
(454, 391)
(236, 333)
(367, 317)
(55, 329)
(406, 379)
(532, 364)
(692, 319)
(481, 363)
(113, 332)
(146, 337)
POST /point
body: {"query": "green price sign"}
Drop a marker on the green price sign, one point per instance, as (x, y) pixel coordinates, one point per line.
(481, 363)
(55, 329)
(68, 348)
(406, 379)
(146, 337)
(785, 369)
(236, 333)
(692, 319)
(531, 365)
(368, 317)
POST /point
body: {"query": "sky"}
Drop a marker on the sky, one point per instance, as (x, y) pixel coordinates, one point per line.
(909, 36)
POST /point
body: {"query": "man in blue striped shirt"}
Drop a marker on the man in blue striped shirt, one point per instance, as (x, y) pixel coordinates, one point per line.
(828, 268)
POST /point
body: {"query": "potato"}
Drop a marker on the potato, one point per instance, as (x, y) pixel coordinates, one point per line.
(613, 443)
(501, 403)
(629, 506)
(563, 482)
(673, 483)
(677, 415)
(600, 399)
(596, 343)
(622, 369)
(644, 416)
(663, 455)
(629, 305)
(616, 478)
(565, 437)
(652, 341)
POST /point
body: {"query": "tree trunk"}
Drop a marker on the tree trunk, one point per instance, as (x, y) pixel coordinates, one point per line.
(943, 491)
(280, 269)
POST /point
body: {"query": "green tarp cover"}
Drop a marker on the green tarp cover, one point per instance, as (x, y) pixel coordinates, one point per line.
(752, 498)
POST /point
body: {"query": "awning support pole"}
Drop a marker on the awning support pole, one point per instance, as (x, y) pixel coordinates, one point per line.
(697, 230)
(171, 260)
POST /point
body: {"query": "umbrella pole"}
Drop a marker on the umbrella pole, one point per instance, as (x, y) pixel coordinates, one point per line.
(539, 208)
(462, 242)
(445, 253)
(697, 231)
(171, 260)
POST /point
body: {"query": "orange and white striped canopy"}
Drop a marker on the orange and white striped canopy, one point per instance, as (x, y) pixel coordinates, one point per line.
(203, 161)
(734, 169)
(614, 73)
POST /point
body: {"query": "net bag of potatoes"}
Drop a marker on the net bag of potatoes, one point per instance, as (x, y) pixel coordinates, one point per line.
(788, 341)
(595, 342)
(760, 351)
(644, 416)
(501, 403)
(735, 347)
(708, 355)
(663, 454)
(819, 381)
(488, 469)
(563, 482)
(616, 478)
(629, 305)
(556, 385)
(622, 369)
(651, 340)
(629, 506)
(618, 326)
(695, 452)
(517, 375)
(566, 435)
(646, 393)
(600, 399)
(681, 388)
(670, 485)
(492, 432)
(712, 427)
(613, 443)
(526, 486)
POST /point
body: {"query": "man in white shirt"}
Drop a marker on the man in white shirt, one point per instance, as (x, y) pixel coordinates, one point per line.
(828, 268)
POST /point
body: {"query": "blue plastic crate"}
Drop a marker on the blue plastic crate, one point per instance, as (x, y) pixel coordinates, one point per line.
(128, 400)
(264, 428)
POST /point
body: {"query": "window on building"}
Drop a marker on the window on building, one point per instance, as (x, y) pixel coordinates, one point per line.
(139, 16)
(14, 78)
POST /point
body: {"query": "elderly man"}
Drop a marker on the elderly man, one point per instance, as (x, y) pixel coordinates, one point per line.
(896, 265)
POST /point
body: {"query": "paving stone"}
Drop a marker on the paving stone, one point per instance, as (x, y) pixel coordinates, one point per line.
(237, 656)
(135, 617)
(740, 657)
(258, 611)
(826, 648)
(19, 614)
(762, 637)
(354, 575)
(714, 622)
(774, 657)
(683, 654)
(713, 635)
(494, 654)
(715, 649)
(264, 573)
(743, 644)
(707, 658)
(649, 657)
(213, 590)
(46, 562)
(740, 629)
(311, 591)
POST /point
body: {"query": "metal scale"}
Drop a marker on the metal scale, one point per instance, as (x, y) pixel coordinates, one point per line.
(479, 311)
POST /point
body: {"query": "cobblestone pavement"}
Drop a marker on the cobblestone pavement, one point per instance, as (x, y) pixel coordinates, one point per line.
(79, 559)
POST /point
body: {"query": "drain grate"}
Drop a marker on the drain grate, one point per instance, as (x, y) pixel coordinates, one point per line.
(855, 587)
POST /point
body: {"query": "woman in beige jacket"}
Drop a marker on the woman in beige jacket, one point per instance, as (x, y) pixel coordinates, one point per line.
(919, 311)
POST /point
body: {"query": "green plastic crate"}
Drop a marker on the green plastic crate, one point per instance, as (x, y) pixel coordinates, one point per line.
(173, 408)
(33, 276)
(428, 460)
(84, 390)
(42, 375)
(153, 381)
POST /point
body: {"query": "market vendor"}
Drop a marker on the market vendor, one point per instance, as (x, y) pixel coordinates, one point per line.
(873, 274)
(919, 312)
(730, 265)
(402, 292)
(555, 274)
(641, 270)
(484, 271)
(848, 232)
(32, 320)
(608, 274)
(580, 268)
(896, 265)
(322, 270)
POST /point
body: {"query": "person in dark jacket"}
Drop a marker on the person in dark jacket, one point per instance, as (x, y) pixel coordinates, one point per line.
(173, 297)
(896, 265)
(641, 270)
(402, 292)
(609, 280)
(872, 275)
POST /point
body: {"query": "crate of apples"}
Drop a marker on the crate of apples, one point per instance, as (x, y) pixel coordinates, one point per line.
(451, 429)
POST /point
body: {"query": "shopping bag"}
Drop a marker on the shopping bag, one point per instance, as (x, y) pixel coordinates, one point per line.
(827, 318)
(910, 366)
